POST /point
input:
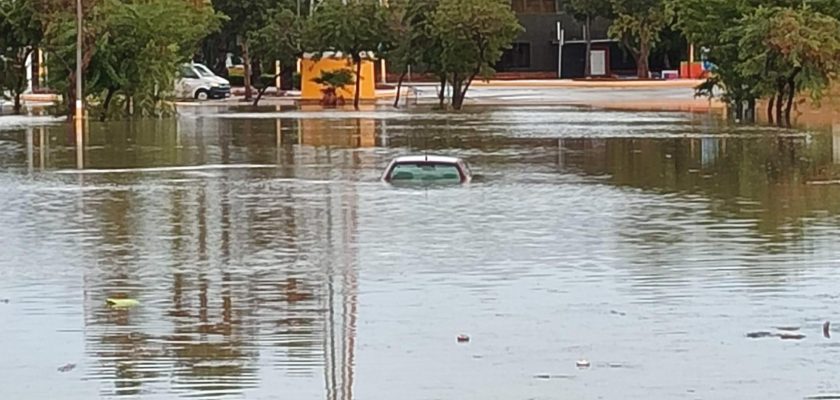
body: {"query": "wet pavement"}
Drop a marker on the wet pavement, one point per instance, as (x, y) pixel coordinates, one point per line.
(268, 261)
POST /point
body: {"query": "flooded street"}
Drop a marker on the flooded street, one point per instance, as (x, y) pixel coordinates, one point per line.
(269, 261)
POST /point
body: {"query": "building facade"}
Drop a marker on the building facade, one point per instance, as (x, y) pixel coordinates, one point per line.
(553, 45)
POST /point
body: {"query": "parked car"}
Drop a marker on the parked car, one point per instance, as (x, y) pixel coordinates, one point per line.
(196, 81)
(427, 168)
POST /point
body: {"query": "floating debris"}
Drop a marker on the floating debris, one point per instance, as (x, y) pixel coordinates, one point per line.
(583, 364)
(5, 301)
(463, 338)
(791, 336)
(122, 303)
(826, 396)
(614, 312)
(552, 376)
(827, 329)
(66, 367)
(759, 335)
(788, 328)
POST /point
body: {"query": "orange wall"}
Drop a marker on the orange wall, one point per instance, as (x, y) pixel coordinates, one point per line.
(310, 69)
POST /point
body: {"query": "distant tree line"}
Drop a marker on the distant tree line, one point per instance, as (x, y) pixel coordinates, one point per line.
(773, 50)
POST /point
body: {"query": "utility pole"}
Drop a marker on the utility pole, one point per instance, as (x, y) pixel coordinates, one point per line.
(79, 103)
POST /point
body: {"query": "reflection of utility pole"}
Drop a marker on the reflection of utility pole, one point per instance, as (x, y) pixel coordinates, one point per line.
(342, 298)
(30, 150)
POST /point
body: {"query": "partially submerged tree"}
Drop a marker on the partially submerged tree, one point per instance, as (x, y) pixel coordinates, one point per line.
(58, 20)
(354, 29)
(278, 40)
(20, 33)
(586, 11)
(333, 82)
(638, 25)
(244, 17)
(771, 50)
(793, 50)
(473, 35)
(133, 52)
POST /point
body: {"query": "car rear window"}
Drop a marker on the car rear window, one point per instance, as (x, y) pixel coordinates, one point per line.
(424, 171)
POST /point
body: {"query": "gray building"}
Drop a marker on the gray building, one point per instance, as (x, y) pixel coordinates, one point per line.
(553, 44)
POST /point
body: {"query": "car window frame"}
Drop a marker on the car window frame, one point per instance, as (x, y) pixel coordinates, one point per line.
(462, 176)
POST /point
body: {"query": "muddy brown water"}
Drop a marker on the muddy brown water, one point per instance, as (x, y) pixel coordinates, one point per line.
(269, 261)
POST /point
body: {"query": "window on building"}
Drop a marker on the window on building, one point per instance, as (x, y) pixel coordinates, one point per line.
(517, 57)
(534, 6)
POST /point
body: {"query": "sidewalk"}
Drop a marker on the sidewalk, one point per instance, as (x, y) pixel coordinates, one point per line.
(602, 84)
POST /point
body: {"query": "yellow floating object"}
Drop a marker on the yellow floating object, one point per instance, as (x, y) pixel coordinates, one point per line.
(122, 303)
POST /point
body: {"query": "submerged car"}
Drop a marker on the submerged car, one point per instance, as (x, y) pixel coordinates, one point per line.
(426, 168)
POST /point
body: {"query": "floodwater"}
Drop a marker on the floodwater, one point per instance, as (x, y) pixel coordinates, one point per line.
(269, 262)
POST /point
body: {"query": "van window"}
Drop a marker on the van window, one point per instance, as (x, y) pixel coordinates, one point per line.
(424, 171)
(187, 72)
(204, 71)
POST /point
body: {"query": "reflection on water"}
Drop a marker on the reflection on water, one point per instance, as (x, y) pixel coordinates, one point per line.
(267, 258)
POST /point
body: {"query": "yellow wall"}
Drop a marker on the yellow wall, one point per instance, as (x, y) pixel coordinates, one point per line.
(310, 69)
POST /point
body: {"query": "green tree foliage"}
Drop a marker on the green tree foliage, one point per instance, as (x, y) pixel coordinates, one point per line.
(354, 29)
(585, 11)
(768, 49)
(333, 81)
(135, 52)
(279, 40)
(20, 33)
(416, 43)
(472, 36)
(793, 48)
(638, 24)
(244, 17)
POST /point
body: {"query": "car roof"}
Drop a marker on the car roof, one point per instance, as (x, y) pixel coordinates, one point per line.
(427, 158)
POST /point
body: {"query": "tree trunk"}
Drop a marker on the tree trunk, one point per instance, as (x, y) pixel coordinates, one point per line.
(246, 59)
(399, 88)
(442, 93)
(107, 103)
(71, 94)
(262, 89)
(18, 105)
(36, 70)
(791, 86)
(357, 94)
(643, 62)
(750, 117)
(780, 88)
(770, 106)
(587, 36)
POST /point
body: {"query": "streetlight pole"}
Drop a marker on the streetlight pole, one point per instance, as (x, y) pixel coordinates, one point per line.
(79, 96)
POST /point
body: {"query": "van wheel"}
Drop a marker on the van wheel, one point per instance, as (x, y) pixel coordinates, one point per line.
(202, 94)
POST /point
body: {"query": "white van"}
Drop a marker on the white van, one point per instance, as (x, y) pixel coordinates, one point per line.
(196, 81)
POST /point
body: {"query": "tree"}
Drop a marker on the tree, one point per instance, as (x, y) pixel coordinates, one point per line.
(279, 40)
(585, 11)
(244, 17)
(132, 52)
(58, 19)
(638, 25)
(472, 35)
(333, 81)
(793, 49)
(763, 49)
(354, 29)
(20, 33)
(708, 23)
